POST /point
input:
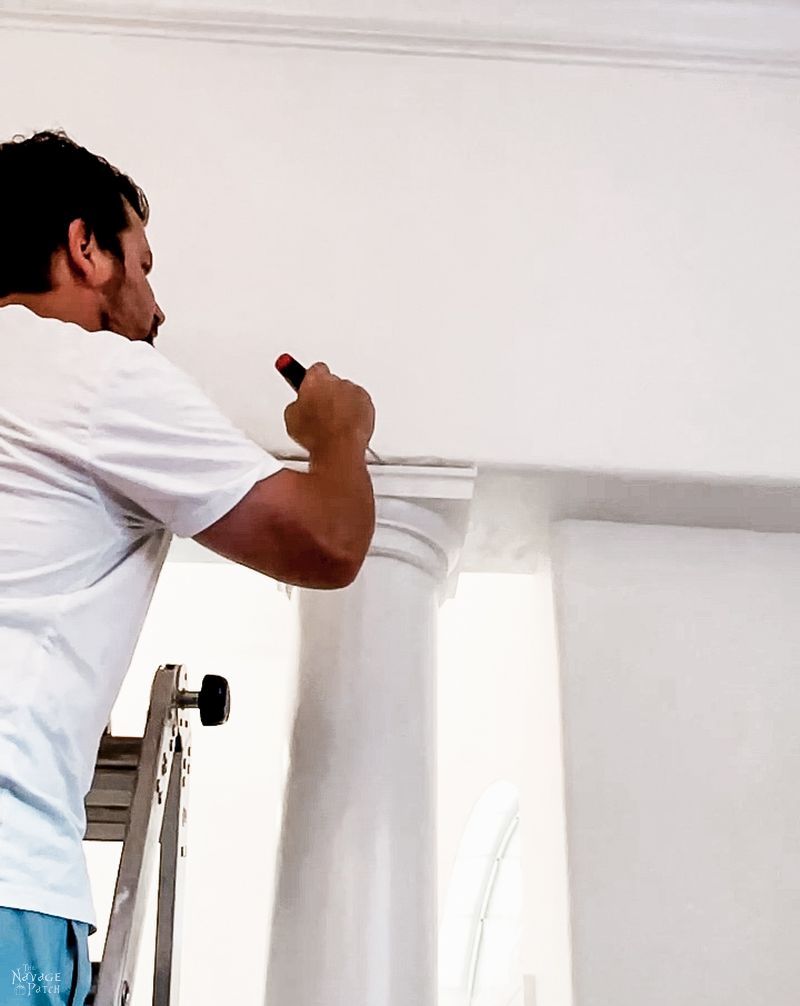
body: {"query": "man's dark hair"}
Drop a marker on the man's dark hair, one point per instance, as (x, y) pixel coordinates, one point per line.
(46, 182)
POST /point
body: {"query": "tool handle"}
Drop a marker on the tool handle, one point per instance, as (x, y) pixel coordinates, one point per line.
(294, 372)
(290, 370)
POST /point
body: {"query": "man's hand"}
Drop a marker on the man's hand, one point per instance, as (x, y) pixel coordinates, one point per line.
(329, 410)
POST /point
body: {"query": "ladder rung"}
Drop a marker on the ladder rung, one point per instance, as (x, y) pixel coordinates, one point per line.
(119, 752)
(106, 824)
(101, 831)
(108, 802)
(111, 787)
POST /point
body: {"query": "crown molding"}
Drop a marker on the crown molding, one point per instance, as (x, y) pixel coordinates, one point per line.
(753, 36)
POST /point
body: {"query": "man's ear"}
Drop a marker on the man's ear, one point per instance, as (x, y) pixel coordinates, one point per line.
(85, 258)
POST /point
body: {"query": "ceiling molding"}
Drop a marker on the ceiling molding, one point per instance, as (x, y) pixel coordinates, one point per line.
(753, 36)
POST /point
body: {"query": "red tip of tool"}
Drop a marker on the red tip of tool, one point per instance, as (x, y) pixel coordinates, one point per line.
(283, 361)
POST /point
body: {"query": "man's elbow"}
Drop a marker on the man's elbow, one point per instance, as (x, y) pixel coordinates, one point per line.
(334, 571)
(347, 570)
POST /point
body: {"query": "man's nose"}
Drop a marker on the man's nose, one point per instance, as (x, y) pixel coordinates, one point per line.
(160, 316)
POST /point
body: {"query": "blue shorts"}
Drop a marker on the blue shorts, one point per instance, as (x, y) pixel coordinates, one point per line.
(44, 959)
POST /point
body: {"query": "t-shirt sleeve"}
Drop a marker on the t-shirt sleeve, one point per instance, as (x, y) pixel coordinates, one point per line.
(156, 439)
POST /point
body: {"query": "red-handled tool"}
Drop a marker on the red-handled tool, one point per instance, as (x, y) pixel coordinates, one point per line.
(291, 370)
(294, 372)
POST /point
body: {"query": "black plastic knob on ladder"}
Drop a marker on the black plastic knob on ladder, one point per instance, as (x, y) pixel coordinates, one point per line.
(213, 700)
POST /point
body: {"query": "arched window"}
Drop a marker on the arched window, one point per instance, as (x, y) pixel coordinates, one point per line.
(481, 929)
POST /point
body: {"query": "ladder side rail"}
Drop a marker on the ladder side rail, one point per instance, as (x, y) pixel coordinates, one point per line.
(120, 953)
(166, 974)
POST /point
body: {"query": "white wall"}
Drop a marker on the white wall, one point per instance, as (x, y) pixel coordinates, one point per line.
(679, 650)
(552, 265)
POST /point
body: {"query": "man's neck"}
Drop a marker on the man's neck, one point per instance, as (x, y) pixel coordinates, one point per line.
(48, 305)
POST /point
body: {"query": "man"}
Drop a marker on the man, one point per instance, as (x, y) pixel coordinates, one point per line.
(106, 450)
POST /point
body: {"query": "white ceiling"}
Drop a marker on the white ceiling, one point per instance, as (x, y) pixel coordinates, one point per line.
(761, 35)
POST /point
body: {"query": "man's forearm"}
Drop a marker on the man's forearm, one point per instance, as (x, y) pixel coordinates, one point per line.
(343, 492)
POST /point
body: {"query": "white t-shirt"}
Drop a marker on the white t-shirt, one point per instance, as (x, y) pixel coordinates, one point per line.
(106, 450)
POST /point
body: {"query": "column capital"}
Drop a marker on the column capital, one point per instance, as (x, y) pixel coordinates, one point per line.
(421, 516)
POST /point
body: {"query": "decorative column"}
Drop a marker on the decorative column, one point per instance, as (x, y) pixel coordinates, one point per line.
(355, 918)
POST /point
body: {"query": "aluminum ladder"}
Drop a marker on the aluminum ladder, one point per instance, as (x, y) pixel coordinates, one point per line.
(138, 797)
